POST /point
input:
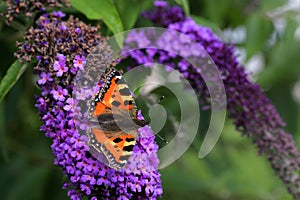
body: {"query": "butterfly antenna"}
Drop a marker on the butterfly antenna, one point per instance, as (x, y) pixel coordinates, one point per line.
(162, 139)
(160, 99)
(159, 136)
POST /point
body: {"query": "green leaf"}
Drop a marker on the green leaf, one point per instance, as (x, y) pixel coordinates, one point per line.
(185, 5)
(2, 7)
(283, 65)
(104, 9)
(259, 30)
(290, 28)
(12, 75)
(204, 22)
(268, 5)
(217, 10)
(130, 10)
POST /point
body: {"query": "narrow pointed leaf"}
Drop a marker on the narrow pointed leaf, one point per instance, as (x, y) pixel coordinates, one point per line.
(12, 75)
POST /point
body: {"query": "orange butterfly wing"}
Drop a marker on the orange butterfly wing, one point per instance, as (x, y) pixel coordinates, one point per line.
(115, 110)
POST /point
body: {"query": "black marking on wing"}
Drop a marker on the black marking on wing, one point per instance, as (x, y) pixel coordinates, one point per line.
(106, 117)
(129, 139)
(128, 102)
(115, 103)
(128, 148)
(125, 157)
(125, 92)
(117, 140)
(121, 81)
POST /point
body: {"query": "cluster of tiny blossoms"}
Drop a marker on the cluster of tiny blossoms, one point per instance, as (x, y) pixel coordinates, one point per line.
(28, 7)
(252, 112)
(60, 49)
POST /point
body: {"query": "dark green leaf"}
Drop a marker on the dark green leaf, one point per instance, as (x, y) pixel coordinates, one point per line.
(104, 9)
(205, 22)
(283, 64)
(185, 5)
(2, 6)
(130, 10)
(217, 10)
(12, 75)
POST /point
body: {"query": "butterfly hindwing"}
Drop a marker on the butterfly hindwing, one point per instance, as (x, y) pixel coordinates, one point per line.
(117, 149)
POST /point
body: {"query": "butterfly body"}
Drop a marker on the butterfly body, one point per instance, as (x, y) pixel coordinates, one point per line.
(115, 111)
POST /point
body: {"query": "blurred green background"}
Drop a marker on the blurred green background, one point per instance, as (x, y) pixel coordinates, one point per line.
(267, 36)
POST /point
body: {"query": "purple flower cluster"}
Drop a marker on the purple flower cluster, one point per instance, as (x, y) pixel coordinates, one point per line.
(28, 7)
(165, 15)
(252, 112)
(60, 49)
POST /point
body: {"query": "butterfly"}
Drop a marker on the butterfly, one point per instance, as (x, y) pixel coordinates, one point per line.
(115, 111)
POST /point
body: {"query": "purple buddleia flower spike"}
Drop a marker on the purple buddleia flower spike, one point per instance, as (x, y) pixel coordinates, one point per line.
(63, 118)
(252, 112)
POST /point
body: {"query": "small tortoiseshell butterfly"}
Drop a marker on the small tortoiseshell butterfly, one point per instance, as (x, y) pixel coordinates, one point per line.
(116, 112)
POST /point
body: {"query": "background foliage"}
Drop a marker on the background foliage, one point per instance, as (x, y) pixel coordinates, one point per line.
(267, 34)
